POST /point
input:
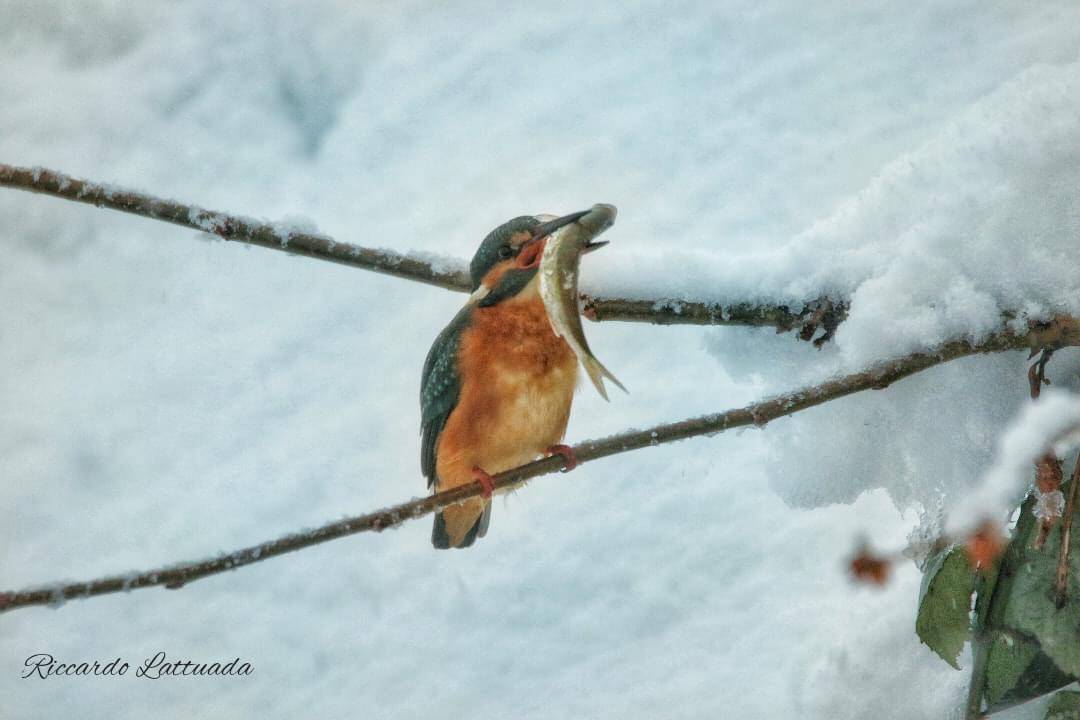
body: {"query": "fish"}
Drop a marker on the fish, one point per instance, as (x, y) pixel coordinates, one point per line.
(559, 286)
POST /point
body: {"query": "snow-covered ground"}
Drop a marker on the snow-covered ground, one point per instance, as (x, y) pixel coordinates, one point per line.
(165, 397)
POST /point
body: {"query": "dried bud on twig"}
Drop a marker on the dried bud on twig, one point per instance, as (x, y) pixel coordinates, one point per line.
(1048, 473)
(985, 546)
(866, 567)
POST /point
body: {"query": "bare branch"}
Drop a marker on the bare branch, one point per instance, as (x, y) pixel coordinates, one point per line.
(450, 274)
(1060, 332)
(231, 227)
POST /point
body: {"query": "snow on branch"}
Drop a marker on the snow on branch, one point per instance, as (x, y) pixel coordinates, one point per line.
(450, 274)
(1062, 331)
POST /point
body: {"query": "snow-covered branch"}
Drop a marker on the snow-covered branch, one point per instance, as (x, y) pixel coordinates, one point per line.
(449, 273)
(1060, 332)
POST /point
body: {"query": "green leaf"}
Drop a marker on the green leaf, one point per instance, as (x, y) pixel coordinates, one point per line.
(1064, 706)
(1008, 660)
(1018, 672)
(1016, 608)
(944, 620)
(1030, 606)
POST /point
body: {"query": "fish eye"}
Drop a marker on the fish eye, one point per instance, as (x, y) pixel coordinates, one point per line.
(505, 252)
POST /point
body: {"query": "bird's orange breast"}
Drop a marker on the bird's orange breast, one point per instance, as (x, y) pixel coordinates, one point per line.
(518, 381)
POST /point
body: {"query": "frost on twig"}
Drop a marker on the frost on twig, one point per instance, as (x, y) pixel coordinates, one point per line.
(1049, 502)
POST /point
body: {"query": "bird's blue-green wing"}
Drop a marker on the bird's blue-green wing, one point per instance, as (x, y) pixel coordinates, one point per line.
(439, 389)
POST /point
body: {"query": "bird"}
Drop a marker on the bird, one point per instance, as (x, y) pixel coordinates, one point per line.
(497, 383)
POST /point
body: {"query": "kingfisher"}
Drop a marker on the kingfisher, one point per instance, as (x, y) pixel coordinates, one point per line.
(498, 382)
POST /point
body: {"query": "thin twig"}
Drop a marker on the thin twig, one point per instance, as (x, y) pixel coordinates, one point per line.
(449, 273)
(1062, 331)
(1037, 372)
(232, 227)
(1061, 583)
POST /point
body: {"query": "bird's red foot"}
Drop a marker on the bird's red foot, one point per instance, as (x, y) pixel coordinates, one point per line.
(481, 476)
(570, 460)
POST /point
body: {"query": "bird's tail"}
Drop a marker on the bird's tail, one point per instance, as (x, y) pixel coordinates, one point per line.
(458, 526)
(597, 372)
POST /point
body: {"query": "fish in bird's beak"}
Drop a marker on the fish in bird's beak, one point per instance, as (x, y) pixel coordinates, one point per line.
(559, 281)
(533, 248)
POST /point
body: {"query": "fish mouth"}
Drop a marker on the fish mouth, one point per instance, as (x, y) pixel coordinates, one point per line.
(599, 218)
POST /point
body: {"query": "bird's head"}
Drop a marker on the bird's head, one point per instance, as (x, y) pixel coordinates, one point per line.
(509, 256)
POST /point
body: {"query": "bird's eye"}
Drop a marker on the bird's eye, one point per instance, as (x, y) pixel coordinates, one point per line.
(506, 251)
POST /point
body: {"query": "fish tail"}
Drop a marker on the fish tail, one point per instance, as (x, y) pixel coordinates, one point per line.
(597, 372)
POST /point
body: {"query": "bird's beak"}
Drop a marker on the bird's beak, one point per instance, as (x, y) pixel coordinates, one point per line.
(533, 248)
(544, 229)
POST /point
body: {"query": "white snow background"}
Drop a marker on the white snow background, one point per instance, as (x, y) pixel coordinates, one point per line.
(164, 397)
